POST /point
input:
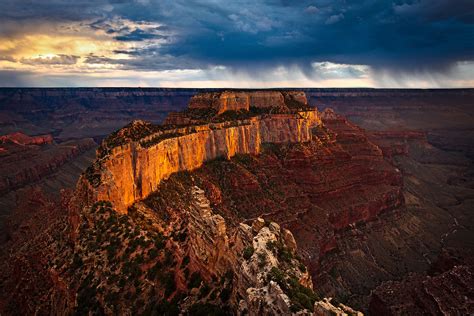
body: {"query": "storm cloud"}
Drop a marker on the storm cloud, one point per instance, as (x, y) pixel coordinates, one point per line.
(246, 36)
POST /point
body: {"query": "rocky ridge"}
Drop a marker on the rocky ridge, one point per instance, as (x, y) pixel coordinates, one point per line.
(262, 273)
(26, 159)
(23, 139)
(133, 162)
(244, 100)
(356, 224)
(259, 256)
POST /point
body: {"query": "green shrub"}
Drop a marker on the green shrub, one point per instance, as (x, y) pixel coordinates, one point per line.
(271, 245)
(284, 254)
(162, 308)
(206, 309)
(77, 261)
(169, 260)
(185, 261)
(152, 253)
(153, 271)
(159, 242)
(195, 280)
(225, 294)
(262, 259)
(277, 275)
(248, 252)
(301, 296)
(167, 280)
(302, 267)
(205, 289)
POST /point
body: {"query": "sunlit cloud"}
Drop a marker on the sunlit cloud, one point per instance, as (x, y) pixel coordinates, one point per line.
(210, 43)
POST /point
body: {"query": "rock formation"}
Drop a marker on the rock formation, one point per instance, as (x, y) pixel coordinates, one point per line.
(255, 254)
(448, 293)
(356, 210)
(244, 100)
(135, 168)
(28, 159)
(22, 139)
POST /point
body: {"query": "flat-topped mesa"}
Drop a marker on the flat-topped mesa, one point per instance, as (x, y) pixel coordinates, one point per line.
(133, 161)
(245, 100)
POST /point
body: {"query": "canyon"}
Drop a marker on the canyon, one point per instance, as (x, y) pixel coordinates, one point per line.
(132, 171)
(28, 162)
(367, 196)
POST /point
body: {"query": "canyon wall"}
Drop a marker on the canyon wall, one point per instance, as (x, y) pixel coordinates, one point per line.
(23, 139)
(25, 160)
(243, 100)
(132, 171)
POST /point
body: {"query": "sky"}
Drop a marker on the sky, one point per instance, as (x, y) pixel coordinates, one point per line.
(239, 43)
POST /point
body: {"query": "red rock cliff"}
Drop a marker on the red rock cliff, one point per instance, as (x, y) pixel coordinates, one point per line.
(22, 139)
(132, 171)
(243, 100)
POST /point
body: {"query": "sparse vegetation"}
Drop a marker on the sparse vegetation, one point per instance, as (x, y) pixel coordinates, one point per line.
(92, 174)
(262, 259)
(158, 139)
(225, 294)
(195, 280)
(301, 297)
(248, 252)
(207, 309)
(271, 245)
(123, 249)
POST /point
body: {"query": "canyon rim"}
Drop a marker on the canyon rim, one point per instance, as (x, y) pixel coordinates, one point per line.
(248, 158)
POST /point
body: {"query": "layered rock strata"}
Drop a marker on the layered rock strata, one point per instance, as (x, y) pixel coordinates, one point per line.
(268, 277)
(28, 159)
(135, 169)
(251, 252)
(449, 293)
(23, 139)
(244, 100)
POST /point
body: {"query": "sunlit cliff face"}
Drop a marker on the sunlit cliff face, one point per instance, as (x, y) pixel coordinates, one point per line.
(213, 43)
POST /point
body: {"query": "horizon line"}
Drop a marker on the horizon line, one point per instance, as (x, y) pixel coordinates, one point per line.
(236, 88)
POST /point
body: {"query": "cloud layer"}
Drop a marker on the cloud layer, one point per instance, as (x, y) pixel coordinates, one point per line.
(242, 42)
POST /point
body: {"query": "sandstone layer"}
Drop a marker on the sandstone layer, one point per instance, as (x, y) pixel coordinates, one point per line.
(310, 188)
(185, 263)
(132, 171)
(244, 100)
(23, 139)
(25, 159)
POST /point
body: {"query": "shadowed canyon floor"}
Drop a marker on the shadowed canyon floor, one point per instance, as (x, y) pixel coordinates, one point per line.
(375, 209)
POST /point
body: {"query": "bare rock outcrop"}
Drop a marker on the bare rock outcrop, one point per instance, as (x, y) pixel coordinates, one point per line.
(326, 307)
(23, 139)
(268, 279)
(244, 100)
(29, 159)
(209, 242)
(449, 293)
(146, 154)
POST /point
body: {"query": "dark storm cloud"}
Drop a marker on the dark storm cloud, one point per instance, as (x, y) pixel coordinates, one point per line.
(411, 35)
(406, 36)
(138, 35)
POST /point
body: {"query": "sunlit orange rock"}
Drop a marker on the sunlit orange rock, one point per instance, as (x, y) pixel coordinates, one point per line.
(133, 170)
